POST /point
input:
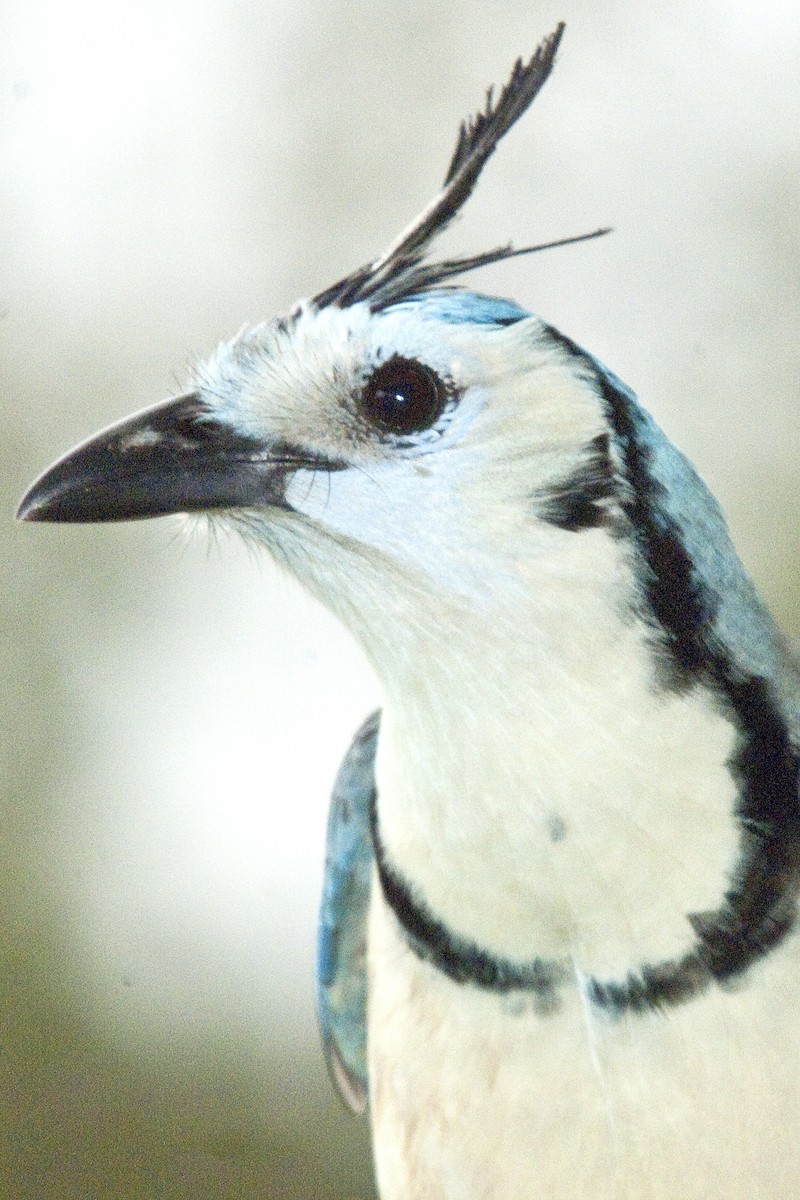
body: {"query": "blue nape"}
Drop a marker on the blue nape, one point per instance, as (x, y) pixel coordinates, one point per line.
(460, 307)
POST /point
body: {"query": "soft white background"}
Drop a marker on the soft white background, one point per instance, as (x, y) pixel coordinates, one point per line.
(171, 716)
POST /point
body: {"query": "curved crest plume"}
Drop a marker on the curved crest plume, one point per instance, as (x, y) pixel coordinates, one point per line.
(402, 270)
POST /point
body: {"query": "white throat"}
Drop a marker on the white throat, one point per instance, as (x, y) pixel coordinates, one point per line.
(565, 806)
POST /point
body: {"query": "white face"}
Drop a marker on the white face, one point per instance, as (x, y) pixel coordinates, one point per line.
(442, 497)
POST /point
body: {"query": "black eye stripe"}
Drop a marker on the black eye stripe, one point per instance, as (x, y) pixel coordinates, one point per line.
(402, 396)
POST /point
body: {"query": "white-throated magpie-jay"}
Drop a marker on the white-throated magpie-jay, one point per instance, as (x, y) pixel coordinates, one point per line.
(558, 948)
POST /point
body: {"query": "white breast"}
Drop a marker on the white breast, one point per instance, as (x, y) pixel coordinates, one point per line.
(476, 1097)
(573, 809)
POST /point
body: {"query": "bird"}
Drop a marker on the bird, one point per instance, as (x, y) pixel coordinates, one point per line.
(558, 945)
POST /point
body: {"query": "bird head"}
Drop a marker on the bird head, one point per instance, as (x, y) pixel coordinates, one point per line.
(397, 442)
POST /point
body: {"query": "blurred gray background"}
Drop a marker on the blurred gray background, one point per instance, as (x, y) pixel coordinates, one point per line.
(173, 714)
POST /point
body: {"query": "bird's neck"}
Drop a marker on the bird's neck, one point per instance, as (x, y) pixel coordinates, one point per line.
(542, 794)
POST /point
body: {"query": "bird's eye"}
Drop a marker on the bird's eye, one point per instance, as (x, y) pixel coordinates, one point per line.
(402, 396)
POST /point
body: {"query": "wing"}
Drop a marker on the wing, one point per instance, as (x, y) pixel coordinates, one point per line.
(789, 685)
(342, 934)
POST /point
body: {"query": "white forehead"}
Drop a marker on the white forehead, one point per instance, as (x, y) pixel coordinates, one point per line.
(288, 376)
(298, 380)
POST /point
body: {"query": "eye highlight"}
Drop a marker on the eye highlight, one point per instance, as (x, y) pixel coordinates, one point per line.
(402, 396)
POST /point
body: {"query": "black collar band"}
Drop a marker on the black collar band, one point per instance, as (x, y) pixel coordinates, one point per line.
(458, 958)
(728, 941)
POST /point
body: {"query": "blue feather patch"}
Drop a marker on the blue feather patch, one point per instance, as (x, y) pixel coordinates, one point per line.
(342, 932)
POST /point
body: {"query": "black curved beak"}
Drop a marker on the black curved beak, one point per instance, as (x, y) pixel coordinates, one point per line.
(173, 457)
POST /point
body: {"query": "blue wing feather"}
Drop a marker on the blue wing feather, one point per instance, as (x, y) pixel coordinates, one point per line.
(342, 933)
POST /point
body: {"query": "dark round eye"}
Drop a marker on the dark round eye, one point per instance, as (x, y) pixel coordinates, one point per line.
(402, 396)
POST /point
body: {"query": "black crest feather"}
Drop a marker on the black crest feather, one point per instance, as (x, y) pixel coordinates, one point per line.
(402, 270)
